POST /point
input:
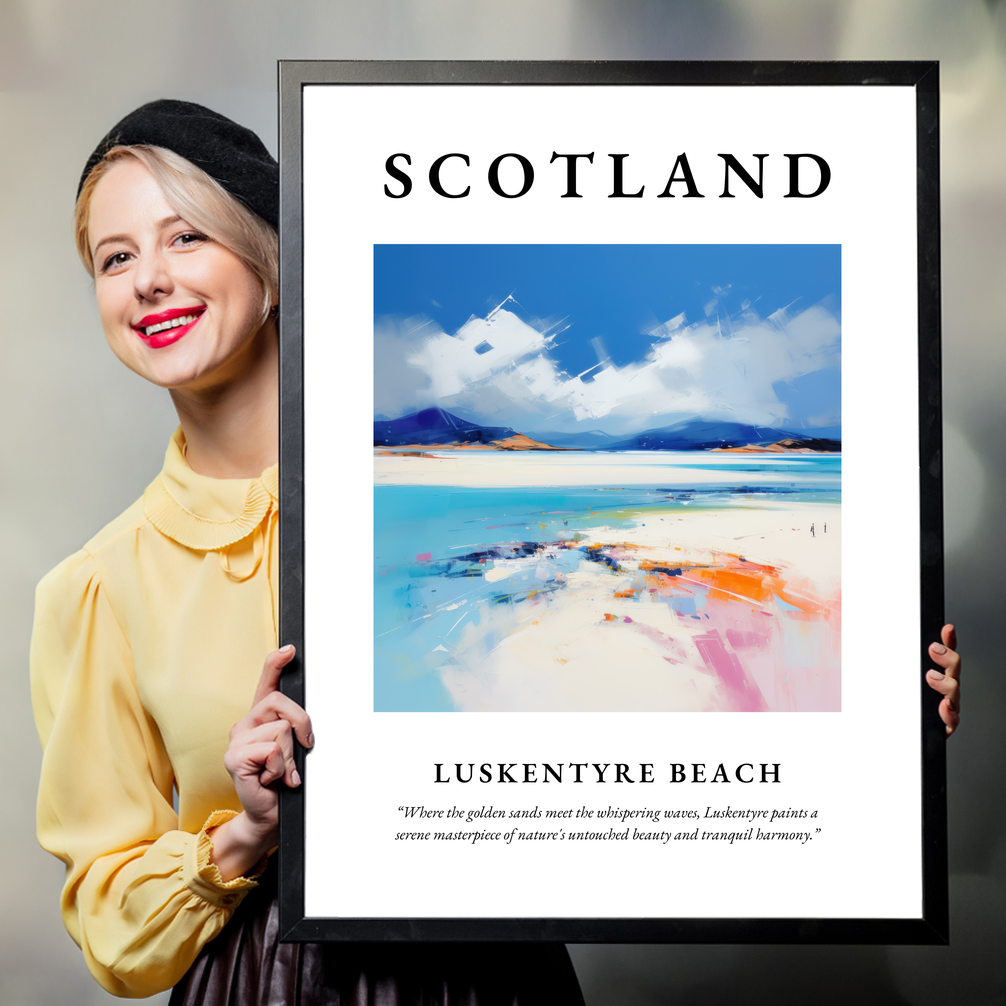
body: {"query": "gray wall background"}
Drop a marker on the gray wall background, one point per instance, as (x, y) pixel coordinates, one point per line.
(82, 436)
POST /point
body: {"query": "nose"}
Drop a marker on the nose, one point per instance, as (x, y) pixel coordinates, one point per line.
(152, 277)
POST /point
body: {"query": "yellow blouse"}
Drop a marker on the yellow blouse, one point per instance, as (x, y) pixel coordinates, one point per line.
(147, 647)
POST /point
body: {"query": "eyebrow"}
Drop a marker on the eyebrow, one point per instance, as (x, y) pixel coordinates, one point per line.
(160, 225)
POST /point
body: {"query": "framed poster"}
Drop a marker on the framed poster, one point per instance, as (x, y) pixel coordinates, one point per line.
(611, 501)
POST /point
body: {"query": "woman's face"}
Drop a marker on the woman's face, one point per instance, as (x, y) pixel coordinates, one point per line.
(177, 308)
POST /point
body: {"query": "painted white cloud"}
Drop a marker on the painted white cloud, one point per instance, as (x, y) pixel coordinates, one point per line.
(501, 370)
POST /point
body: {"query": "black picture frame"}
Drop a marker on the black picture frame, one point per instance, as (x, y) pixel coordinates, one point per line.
(932, 925)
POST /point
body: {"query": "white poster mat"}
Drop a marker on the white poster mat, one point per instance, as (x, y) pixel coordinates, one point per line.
(859, 769)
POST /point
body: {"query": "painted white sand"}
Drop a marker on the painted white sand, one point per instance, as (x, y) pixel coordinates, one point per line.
(565, 655)
(574, 468)
(754, 529)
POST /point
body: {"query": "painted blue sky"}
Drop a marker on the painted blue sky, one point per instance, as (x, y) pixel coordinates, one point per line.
(618, 338)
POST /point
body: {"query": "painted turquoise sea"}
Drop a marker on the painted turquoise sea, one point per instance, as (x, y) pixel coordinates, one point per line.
(475, 586)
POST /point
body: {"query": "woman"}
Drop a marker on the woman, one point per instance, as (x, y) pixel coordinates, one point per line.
(148, 643)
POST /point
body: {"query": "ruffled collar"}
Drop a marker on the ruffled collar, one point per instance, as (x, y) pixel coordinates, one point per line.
(203, 513)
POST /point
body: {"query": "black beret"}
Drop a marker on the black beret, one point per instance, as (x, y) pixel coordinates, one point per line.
(231, 154)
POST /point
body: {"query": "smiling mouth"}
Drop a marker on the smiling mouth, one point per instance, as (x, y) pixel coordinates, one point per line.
(167, 322)
(185, 319)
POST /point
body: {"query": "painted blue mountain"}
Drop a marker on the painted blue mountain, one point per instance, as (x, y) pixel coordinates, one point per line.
(589, 440)
(699, 435)
(705, 435)
(435, 426)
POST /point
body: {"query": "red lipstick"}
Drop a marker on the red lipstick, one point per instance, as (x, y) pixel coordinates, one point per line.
(166, 327)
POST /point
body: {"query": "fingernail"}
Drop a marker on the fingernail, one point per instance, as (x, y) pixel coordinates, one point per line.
(938, 648)
(936, 675)
(295, 777)
(310, 740)
(287, 649)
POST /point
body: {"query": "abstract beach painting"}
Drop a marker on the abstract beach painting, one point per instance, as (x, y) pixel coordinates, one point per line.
(607, 478)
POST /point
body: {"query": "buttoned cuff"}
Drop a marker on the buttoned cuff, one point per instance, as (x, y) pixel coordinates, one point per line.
(202, 876)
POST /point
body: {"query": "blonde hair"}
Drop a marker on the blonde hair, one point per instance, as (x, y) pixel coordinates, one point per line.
(199, 200)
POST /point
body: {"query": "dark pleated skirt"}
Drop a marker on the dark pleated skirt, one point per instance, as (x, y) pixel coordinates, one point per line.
(246, 965)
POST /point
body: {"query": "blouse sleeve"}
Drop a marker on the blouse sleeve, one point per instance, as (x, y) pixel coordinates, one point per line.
(141, 898)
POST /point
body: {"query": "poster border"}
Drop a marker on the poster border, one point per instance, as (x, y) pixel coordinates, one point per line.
(294, 75)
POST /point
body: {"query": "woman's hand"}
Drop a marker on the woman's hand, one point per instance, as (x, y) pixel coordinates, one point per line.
(947, 682)
(260, 753)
